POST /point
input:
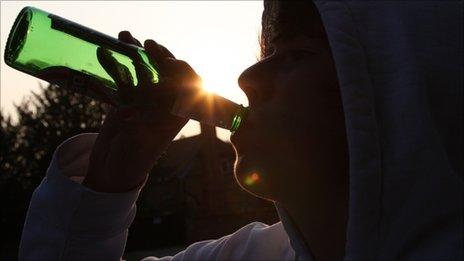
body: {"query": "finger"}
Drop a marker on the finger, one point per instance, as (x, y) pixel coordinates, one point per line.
(138, 42)
(118, 72)
(165, 52)
(158, 53)
(145, 77)
(162, 51)
(181, 72)
(127, 37)
(108, 131)
(155, 54)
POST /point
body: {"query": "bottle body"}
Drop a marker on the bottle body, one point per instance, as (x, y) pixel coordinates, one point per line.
(40, 44)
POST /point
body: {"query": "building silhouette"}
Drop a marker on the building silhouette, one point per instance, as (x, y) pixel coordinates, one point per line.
(192, 195)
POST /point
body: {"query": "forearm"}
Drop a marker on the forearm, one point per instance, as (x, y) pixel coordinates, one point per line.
(66, 220)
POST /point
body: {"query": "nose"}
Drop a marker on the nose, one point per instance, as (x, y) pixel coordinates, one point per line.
(256, 82)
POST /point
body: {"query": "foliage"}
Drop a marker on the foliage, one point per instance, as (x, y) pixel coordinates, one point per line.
(44, 120)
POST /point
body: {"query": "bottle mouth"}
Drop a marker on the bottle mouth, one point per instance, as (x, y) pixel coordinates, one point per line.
(239, 118)
(17, 36)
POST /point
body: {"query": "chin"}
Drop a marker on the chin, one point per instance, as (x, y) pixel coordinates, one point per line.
(250, 178)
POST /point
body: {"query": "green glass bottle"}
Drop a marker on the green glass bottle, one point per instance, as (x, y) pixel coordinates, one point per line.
(44, 45)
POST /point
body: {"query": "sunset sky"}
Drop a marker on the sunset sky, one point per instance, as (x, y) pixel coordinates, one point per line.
(219, 39)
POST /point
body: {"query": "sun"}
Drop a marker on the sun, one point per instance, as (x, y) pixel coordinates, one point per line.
(217, 80)
(213, 82)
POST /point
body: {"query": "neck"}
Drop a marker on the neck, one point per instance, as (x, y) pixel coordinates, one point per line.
(323, 219)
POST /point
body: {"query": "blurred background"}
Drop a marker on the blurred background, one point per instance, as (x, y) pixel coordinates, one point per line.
(193, 195)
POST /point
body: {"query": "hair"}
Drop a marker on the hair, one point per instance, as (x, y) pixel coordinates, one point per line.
(289, 18)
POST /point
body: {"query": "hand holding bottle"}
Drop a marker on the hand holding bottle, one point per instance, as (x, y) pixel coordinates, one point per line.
(133, 137)
(153, 99)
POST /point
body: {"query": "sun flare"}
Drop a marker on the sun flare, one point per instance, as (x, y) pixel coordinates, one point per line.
(217, 78)
(216, 82)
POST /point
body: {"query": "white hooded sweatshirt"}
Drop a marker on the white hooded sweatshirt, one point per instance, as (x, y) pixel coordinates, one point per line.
(399, 65)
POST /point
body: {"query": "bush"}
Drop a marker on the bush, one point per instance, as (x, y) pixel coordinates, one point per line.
(44, 120)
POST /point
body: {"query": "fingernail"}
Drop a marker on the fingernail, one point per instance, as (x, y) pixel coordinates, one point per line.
(151, 43)
(125, 36)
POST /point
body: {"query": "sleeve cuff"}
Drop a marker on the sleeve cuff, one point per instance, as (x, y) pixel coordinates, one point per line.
(79, 210)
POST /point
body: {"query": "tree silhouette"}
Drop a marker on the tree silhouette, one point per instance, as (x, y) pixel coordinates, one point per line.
(45, 120)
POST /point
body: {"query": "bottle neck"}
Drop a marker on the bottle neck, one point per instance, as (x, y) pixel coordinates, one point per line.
(209, 109)
(239, 118)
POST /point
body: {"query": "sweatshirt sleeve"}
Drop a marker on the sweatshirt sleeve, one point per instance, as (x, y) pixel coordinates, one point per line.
(255, 241)
(67, 220)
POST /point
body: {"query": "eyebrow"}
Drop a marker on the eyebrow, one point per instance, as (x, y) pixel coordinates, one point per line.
(286, 35)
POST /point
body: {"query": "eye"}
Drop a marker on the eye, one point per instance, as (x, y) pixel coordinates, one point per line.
(292, 58)
(298, 54)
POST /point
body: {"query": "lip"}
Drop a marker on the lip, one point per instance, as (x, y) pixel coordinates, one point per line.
(238, 136)
(235, 134)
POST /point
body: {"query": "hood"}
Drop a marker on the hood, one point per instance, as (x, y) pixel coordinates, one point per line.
(399, 66)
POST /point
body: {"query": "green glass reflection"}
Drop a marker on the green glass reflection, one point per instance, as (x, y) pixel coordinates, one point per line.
(40, 41)
(238, 118)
